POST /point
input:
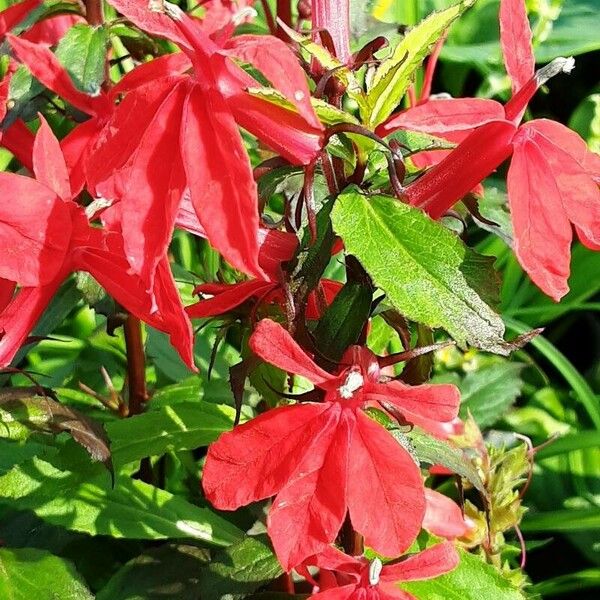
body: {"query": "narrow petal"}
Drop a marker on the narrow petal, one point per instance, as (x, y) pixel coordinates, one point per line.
(187, 219)
(438, 402)
(443, 516)
(35, 230)
(429, 563)
(385, 490)
(542, 231)
(579, 193)
(228, 299)
(276, 247)
(18, 139)
(257, 459)
(274, 59)
(45, 67)
(50, 31)
(18, 319)
(220, 179)
(515, 39)
(333, 559)
(271, 342)
(444, 115)
(308, 512)
(76, 147)
(154, 188)
(14, 14)
(48, 162)
(468, 164)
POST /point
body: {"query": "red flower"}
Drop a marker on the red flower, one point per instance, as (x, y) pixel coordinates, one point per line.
(553, 177)
(443, 517)
(322, 459)
(344, 577)
(333, 17)
(181, 131)
(14, 14)
(47, 236)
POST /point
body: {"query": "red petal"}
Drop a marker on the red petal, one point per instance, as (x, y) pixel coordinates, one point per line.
(51, 30)
(35, 231)
(309, 511)
(429, 563)
(346, 592)
(7, 290)
(18, 139)
(47, 68)
(187, 219)
(14, 14)
(20, 316)
(385, 489)
(443, 517)
(155, 185)
(333, 16)
(48, 162)
(275, 247)
(228, 299)
(220, 179)
(447, 115)
(258, 458)
(467, 165)
(271, 342)
(157, 68)
(438, 402)
(580, 195)
(541, 228)
(274, 59)
(333, 559)
(515, 38)
(76, 147)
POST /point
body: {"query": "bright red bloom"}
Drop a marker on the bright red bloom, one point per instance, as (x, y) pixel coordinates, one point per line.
(344, 577)
(181, 131)
(46, 236)
(14, 14)
(443, 517)
(333, 16)
(323, 459)
(51, 30)
(553, 177)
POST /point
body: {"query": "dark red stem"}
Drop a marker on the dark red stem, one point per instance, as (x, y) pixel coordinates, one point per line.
(284, 13)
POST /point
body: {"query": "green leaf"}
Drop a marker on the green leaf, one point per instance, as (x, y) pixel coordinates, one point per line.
(344, 319)
(82, 51)
(81, 499)
(471, 580)
(572, 582)
(183, 426)
(240, 570)
(22, 89)
(417, 141)
(426, 271)
(171, 571)
(433, 451)
(570, 443)
(394, 76)
(27, 573)
(585, 120)
(489, 392)
(562, 520)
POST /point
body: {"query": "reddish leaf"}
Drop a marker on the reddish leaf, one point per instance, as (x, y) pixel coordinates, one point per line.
(385, 489)
(515, 38)
(14, 14)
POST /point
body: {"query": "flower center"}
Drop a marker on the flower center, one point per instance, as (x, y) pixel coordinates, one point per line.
(375, 571)
(354, 381)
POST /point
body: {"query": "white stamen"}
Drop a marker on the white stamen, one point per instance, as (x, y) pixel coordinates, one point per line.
(243, 15)
(375, 571)
(171, 10)
(558, 65)
(96, 206)
(354, 381)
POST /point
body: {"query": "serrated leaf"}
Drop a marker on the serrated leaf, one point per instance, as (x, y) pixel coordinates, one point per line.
(473, 579)
(489, 392)
(27, 573)
(183, 426)
(81, 499)
(426, 271)
(240, 570)
(433, 451)
(173, 570)
(394, 76)
(330, 115)
(41, 413)
(82, 51)
(417, 141)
